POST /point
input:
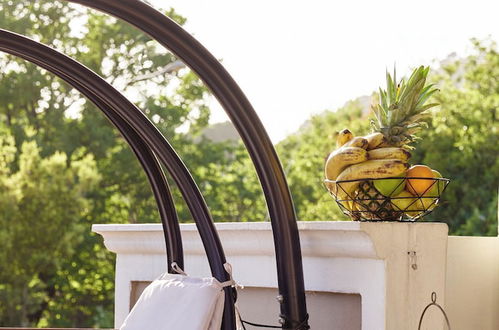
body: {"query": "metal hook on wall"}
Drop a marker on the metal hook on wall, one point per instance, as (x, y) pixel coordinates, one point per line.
(434, 303)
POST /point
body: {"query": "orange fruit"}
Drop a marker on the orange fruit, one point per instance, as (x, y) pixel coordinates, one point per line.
(419, 186)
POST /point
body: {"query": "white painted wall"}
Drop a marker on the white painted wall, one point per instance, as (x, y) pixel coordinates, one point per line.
(472, 293)
(342, 261)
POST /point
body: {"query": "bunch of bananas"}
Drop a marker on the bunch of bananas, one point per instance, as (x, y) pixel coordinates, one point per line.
(368, 157)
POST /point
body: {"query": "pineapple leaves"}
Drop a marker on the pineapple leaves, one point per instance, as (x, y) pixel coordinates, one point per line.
(426, 107)
(402, 105)
(426, 89)
(425, 95)
(391, 89)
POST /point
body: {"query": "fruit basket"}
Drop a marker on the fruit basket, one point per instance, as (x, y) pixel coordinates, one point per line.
(387, 199)
(370, 176)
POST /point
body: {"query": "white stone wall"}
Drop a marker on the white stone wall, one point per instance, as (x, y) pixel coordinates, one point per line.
(472, 293)
(383, 273)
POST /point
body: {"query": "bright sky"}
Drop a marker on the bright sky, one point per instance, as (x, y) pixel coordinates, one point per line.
(295, 58)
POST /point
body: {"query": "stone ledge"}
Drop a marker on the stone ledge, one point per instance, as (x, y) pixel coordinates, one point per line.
(318, 238)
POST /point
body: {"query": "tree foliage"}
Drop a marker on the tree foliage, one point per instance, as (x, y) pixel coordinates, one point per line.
(462, 141)
(304, 154)
(37, 201)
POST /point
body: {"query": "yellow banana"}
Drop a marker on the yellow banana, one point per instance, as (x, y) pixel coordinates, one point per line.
(385, 145)
(374, 140)
(348, 205)
(330, 185)
(354, 208)
(341, 158)
(389, 153)
(358, 142)
(343, 137)
(361, 210)
(376, 168)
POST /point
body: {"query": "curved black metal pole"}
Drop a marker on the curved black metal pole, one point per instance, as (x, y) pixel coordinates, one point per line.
(94, 87)
(157, 180)
(159, 186)
(253, 134)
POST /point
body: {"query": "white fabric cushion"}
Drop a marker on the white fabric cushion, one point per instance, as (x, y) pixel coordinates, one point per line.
(178, 302)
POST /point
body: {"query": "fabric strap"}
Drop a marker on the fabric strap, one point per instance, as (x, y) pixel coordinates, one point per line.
(227, 266)
(177, 269)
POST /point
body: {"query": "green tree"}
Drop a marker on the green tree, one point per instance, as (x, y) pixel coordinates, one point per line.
(461, 141)
(228, 179)
(37, 237)
(303, 155)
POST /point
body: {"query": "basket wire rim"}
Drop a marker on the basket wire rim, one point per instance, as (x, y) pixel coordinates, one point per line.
(401, 214)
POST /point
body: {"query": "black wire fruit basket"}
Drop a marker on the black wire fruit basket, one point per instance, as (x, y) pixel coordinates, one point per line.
(387, 199)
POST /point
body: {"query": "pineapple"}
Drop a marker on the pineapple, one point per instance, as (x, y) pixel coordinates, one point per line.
(371, 205)
(401, 110)
(399, 115)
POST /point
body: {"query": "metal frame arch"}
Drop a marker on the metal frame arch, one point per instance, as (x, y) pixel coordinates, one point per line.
(109, 99)
(253, 134)
(157, 181)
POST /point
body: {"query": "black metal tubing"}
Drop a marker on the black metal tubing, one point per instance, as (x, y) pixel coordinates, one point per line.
(157, 180)
(95, 88)
(159, 186)
(253, 134)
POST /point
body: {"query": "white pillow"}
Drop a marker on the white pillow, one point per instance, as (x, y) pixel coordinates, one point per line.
(174, 302)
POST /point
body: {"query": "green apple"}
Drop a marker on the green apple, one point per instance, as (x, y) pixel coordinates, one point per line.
(427, 203)
(390, 187)
(437, 187)
(435, 190)
(406, 202)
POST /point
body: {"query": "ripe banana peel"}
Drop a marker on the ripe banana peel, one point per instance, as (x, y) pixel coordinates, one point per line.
(351, 161)
(341, 158)
(349, 205)
(343, 137)
(389, 153)
(375, 140)
(376, 168)
(358, 142)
